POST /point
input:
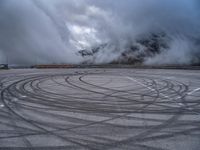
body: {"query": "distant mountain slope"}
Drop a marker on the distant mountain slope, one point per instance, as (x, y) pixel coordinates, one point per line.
(137, 52)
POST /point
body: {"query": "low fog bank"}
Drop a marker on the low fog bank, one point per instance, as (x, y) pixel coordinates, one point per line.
(151, 32)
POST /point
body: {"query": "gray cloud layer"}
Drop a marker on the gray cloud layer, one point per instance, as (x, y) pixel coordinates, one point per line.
(53, 31)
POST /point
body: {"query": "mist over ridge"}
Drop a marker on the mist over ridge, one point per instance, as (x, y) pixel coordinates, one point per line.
(94, 31)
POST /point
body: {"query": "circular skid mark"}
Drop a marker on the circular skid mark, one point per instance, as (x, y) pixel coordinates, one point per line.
(96, 110)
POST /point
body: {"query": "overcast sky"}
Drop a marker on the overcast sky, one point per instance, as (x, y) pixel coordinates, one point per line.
(53, 31)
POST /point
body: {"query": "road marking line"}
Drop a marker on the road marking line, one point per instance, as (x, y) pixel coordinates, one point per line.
(195, 90)
(23, 96)
(181, 104)
(148, 87)
(141, 83)
(132, 79)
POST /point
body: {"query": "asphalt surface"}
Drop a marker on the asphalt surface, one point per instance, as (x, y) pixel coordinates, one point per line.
(100, 109)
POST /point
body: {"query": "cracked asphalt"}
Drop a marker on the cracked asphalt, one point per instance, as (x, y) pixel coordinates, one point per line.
(100, 109)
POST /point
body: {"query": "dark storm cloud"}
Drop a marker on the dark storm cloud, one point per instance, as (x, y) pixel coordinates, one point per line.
(42, 31)
(179, 19)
